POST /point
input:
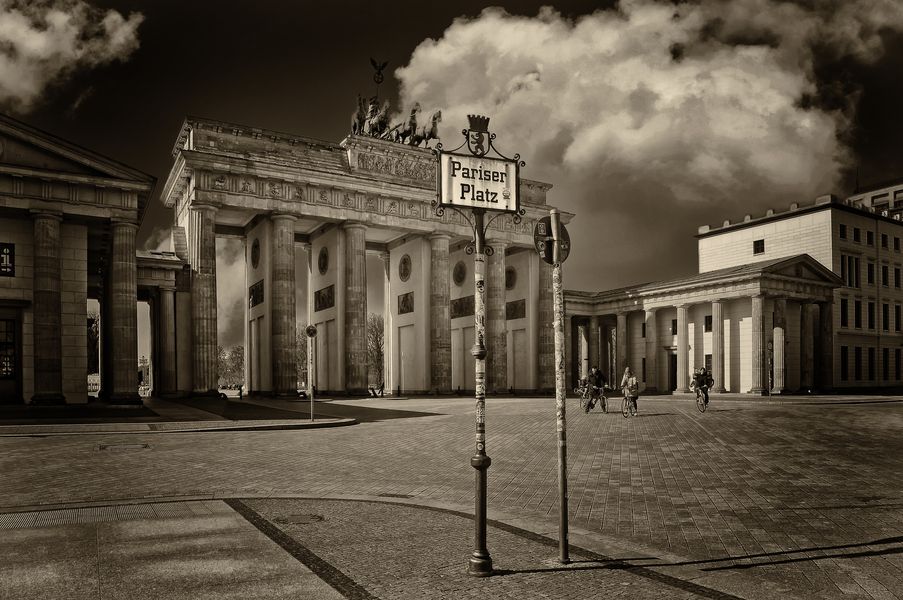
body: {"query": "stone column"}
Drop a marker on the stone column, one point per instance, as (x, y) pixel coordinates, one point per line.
(203, 302)
(757, 343)
(123, 315)
(778, 341)
(48, 365)
(496, 324)
(622, 357)
(683, 349)
(595, 341)
(570, 379)
(718, 346)
(651, 352)
(808, 320)
(546, 380)
(283, 325)
(440, 315)
(825, 362)
(388, 328)
(355, 308)
(167, 316)
(582, 368)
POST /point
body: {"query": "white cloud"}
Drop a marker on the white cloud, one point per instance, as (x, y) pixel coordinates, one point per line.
(695, 108)
(43, 42)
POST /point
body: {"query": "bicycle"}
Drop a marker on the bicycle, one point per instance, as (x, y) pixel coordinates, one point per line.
(702, 402)
(590, 396)
(628, 406)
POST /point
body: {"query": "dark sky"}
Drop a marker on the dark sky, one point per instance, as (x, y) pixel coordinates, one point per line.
(298, 67)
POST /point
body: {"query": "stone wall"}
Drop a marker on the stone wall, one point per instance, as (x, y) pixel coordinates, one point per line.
(74, 301)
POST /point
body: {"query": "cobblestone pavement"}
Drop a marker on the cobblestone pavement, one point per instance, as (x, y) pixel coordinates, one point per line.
(807, 497)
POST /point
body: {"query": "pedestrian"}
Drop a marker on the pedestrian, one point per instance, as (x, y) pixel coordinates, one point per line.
(631, 388)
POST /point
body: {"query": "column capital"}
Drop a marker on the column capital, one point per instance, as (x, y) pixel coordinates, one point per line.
(204, 207)
(438, 235)
(46, 214)
(123, 223)
(347, 225)
(282, 217)
(650, 311)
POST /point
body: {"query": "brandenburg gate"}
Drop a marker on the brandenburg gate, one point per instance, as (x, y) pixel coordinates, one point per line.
(290, 198)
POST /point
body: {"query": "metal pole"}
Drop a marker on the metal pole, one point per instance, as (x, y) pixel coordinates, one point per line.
(560, 406)
(480, 564)
(310, 375)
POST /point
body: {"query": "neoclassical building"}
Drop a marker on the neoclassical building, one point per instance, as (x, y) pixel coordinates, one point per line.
(290, 198)
(801, 299)
(68, 219)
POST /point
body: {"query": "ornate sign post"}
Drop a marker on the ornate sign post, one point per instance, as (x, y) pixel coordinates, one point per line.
(481, 184)
(554, 245)
(311, 331)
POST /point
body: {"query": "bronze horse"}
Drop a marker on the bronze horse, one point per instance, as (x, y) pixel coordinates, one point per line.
(428, 133)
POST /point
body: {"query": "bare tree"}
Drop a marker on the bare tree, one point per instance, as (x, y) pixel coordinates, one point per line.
(231, 363)
(376, 334)
(301, 364)
(93, 342)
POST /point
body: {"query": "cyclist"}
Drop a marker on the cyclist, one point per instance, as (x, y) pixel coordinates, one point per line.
(631, 388)
(596, 381)
(702, 381)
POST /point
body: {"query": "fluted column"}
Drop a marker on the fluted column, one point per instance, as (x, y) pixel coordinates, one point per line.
(283, 326)
(355, 308)
(123, 315)
(757, 343)
(496, 325)
(825, 362)
(808, 321)
(621, 353)
(546, 381)
(388, 328)
(651, 352)
(718, 346)
(167, 329)
(683, 349)
(203, 301)
(48, 366)
(595, 341)
(440, 315)
(778, 341)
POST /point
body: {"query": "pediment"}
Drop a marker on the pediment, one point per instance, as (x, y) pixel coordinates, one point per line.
(23, 147)
(804, 267)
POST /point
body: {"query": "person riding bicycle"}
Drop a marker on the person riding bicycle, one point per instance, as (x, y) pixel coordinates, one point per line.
(631, 388)
(702, 381)
(597, 383)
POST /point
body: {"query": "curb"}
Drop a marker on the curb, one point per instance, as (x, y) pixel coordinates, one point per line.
(169, 427)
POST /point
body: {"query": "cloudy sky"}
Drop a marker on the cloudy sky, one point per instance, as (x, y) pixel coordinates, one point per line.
(649, 118)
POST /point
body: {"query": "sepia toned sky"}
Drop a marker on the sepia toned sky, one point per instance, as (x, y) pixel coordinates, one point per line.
(649, 118)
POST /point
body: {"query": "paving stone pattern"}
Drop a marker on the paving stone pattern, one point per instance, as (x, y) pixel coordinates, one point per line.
(805, 496)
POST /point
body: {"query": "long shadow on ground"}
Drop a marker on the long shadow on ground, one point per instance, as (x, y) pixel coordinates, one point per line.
(235, 410)
(96, 412)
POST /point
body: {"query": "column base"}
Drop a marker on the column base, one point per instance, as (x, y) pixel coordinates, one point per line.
(125, 399)
(205, 394)
(717, 390)
(48, 399)
(758, 392)
(682, 390)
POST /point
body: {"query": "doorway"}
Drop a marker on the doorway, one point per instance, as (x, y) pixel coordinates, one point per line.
(10, 357)
(672, 371)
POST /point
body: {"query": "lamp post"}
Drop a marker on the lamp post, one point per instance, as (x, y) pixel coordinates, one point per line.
(479, 183)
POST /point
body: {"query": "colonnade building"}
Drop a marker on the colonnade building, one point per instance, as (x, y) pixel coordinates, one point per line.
(290, 199)
(808, 298)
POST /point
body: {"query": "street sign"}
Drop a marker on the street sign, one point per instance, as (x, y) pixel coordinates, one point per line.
(311, 331)
(478, 182)
(542, 239)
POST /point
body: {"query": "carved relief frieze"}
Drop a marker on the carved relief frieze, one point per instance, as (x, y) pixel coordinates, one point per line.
(245, 186)
(274, 189)
(220, 182)
(413, 209)
(398, 166)
(392, 207)
(371, 205)
(324, 197)
(349, 201)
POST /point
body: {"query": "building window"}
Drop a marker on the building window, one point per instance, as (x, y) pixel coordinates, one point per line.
(897, 362)
(871, 315)
(884, 240)
(857, 363)
(843, 231)
(885, 279)
(844, 363)
(673, 326)
(708, 362)
(897, 317)
(870, 273)
(871, 364)
(897, 244)
(643, 333)
(849, 270)
(857, 314)
(897, 277)
(844, 309)
(856, 235)
(870, 238)
(644, 369)
(885, 364)
(885, 317)
(758, 246)
(707, 326)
